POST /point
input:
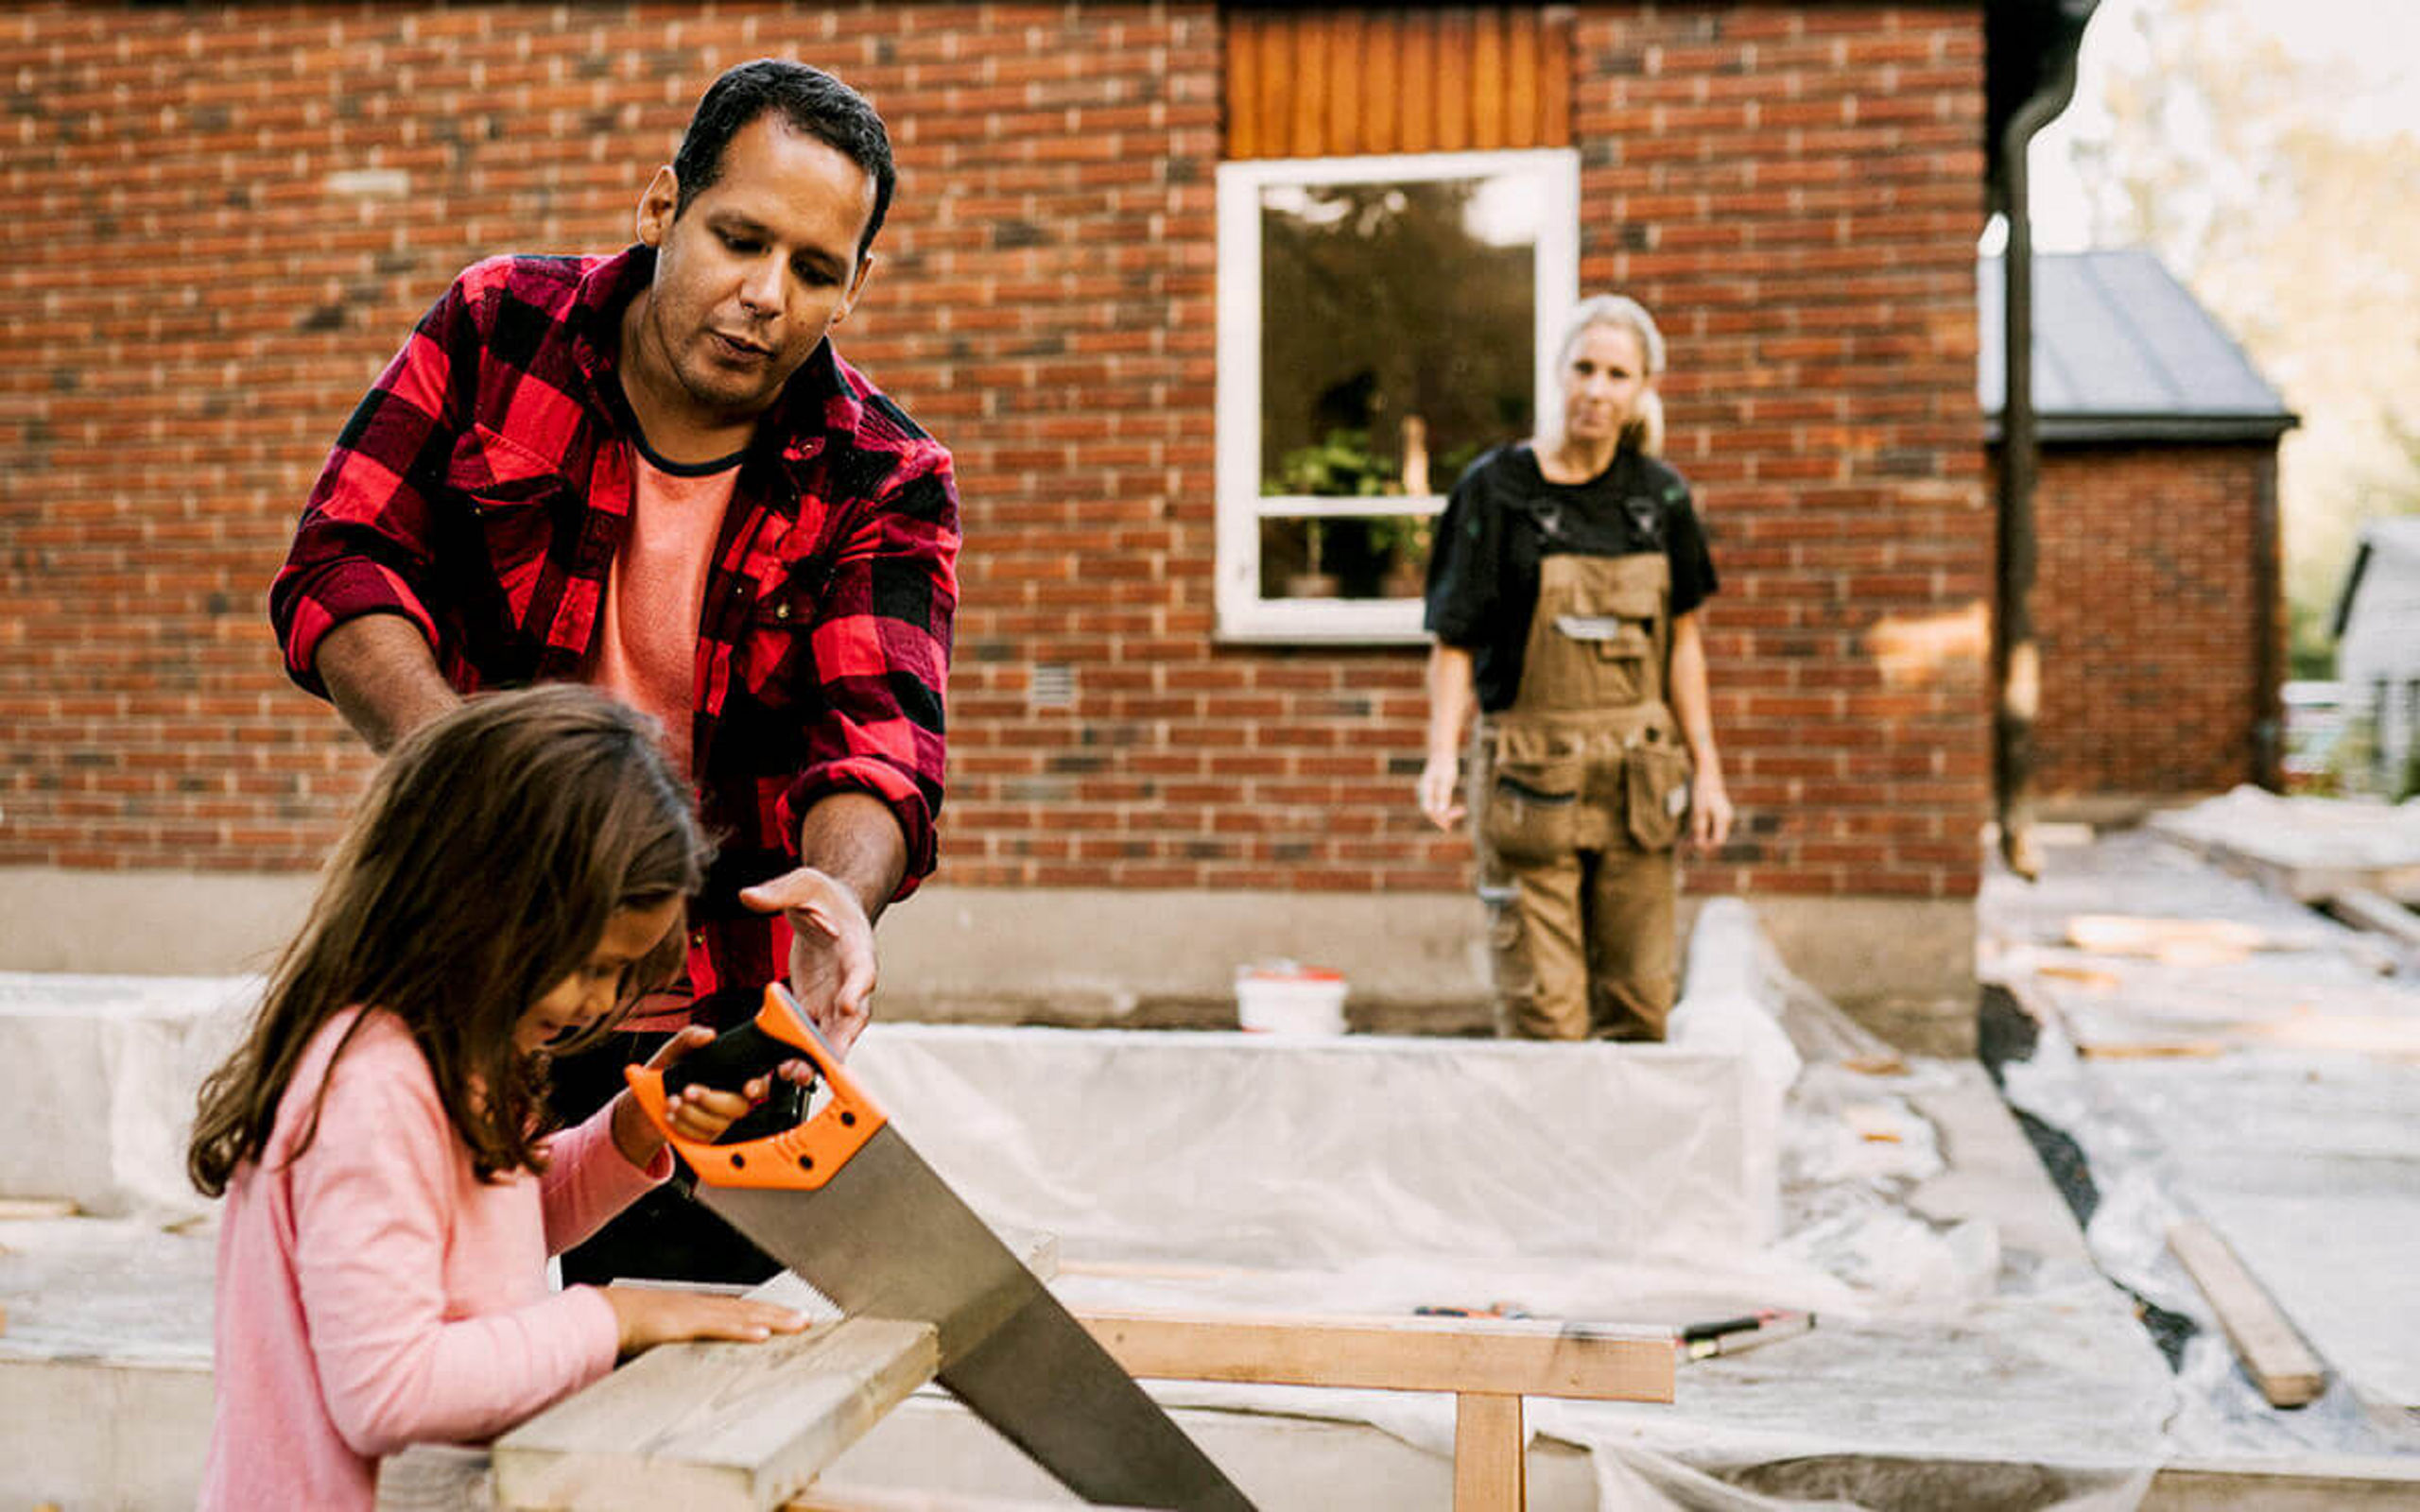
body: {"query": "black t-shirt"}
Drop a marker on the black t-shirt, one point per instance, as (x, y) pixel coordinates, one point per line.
(1504, 516)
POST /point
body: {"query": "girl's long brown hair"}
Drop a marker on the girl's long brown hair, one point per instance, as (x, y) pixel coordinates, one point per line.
(481, 869)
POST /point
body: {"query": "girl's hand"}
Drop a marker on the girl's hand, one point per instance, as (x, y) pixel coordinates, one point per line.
(1438, 791)
(1709, 810)
(646, 1316)
(696, 1112)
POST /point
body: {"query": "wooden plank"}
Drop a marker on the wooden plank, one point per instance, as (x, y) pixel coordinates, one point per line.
(716, 1427)
(1521, 79)
(2149, 1049)
(1491, 1465)
(886, 1499)
(2171, 941)
(1308, 87)
(1555, 77)
(1453, 79)
(14, 1208)
(1243, 84)
(1275, 132)
(2365, 909)
(1382, 83)
(1487, 80)
(2279, 1362)
(1513, 1357)
(1345, 42)
(1416, 83)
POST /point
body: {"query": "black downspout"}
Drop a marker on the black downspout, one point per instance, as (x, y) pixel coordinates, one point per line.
(2268, 631)
(2016, 659)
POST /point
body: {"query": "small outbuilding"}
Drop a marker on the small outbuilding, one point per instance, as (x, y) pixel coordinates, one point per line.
(2158, 596)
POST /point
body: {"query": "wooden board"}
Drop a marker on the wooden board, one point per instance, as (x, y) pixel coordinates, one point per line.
(716, 1427)
(1491, 1465)
(885, 1498)
(1511, 1357)
(2377, 913)
(2279, 1362)
(2304, 881)
(13, 1208)
(2172, 941)
(1319, 82)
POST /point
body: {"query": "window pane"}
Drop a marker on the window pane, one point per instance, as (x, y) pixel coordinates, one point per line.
(1395, 328)
(1360, 555)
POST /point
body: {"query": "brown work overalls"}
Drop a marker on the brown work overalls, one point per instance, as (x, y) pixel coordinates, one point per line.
(1580, 788)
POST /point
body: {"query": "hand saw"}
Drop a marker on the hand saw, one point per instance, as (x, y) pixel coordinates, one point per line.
(843, 1200)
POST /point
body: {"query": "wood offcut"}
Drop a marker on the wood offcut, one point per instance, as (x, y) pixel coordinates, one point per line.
(2274, 1355)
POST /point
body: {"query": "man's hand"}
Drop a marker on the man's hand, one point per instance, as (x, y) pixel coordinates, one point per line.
(832, 959)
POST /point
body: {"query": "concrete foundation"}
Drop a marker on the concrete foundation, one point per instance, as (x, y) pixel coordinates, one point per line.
(1416, 961)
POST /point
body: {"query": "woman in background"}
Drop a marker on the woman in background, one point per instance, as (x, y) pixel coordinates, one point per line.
(1564, 595)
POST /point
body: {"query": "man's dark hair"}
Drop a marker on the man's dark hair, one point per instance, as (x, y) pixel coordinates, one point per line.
(811, 101)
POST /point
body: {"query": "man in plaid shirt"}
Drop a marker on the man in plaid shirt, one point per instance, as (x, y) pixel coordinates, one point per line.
(651, 471)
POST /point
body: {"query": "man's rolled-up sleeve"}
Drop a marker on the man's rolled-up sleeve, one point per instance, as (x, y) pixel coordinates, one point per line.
(364, 545)
(881, 639)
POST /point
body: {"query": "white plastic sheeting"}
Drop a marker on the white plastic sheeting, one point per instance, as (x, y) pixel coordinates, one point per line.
(126, 1053)
(1229, 1149)
(2321, 1205)
(1627, 1184)
(2302, 834)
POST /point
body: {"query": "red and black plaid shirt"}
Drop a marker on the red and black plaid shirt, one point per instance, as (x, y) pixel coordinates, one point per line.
(484, 485)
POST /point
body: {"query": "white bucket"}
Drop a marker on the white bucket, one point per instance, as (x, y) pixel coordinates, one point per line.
(1283, 998)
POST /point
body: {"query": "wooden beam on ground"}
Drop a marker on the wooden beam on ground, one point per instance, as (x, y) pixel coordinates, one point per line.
(883, 1499)
(1502, 1356)
(716, 1427)
(2279, 1362)
(2377, 913)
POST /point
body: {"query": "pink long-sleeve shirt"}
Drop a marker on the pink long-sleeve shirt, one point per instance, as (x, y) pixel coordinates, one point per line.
(375, 1293)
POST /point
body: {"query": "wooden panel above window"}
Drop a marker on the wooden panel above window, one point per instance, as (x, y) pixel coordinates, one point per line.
(1332, 83)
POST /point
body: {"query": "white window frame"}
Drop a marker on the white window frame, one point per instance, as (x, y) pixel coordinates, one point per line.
(1243, 614)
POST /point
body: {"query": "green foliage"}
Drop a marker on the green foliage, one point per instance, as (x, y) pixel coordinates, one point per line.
(1380, 305)
(1341, 466)
(2310, 652)
(2352, 766)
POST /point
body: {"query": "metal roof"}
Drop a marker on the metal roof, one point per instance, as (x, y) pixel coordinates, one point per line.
(2123, 352)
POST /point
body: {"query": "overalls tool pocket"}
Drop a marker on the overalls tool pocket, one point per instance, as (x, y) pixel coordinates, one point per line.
(1532, 806)
(1611, 629)
(1657, 780)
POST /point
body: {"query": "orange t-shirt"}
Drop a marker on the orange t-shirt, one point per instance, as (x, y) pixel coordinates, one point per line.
(647, 643)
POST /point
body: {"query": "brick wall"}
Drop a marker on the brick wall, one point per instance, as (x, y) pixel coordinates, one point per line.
(1796, 192)
(2145, 602)
(227, 218)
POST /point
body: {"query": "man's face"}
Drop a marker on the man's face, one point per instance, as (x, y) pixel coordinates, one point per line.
(750, 278)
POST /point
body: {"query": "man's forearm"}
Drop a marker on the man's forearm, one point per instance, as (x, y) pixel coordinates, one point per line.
(854, 838)
(383, 677)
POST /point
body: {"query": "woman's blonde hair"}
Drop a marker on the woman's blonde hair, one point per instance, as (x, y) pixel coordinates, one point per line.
(482, 867)
(1645, 432)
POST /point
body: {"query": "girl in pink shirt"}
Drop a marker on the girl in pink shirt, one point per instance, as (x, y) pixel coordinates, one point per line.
(510, 884)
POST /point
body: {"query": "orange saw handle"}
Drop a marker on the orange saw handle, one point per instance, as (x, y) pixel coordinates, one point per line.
(800, 1158)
